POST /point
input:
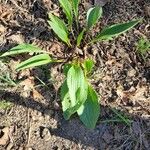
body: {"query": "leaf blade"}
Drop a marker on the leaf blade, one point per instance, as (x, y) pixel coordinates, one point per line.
(34, 61)
(75, 4)
(89, 112)
(67, 8)
(65, 96)
(75, 80)
(22, 48)
(77, 90)
(93, 15)
(115, 30)
(88, 65)
(58, 22)
(60, 32)
(80, 37)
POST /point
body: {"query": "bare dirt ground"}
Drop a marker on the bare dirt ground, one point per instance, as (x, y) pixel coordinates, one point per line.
(30, 111)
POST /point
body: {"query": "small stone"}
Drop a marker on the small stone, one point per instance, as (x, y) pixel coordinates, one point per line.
(46, 135)
(56, 105)
(131, 72)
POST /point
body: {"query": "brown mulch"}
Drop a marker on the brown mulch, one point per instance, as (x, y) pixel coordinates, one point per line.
(121, 77)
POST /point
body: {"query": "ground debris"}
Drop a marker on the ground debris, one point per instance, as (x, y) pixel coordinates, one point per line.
(121, 77)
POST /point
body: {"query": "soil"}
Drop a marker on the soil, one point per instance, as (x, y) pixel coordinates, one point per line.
(33, 120)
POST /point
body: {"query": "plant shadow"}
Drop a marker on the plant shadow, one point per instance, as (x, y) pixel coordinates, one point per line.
(104, 135)
(98, 138)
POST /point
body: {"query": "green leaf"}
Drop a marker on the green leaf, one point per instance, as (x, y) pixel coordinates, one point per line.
(115, 30)
(80, 37)
(67, 8)
(77, 91)
(68, 110)
(65, 97)
(66, 68)
(73, 91)
(22, 48)
(61, 32)
(72, 109)
(76, 80)
(58, 22)
(89, 112)
(75, 4)
(67, 107)
(93, 15)
(88, 65)
(34, 61)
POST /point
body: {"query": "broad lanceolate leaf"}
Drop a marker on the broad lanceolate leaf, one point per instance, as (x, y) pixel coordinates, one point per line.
(88, 65)
(77, 91)
(115, 30)
(80, 37)
(65, 96)
(34, 61)
(58, 22)
(68, 107)
(90, 110)
(22, 48)
(76, 80)
(61, 32)
(93, 15)
(75, 4)
(67, 8)
(66, 68)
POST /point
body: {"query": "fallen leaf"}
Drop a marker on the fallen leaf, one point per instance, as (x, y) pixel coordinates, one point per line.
(36, 94)
(4, 136)
(147, 10)
(2, 29)
(28, 83)
(17, 38)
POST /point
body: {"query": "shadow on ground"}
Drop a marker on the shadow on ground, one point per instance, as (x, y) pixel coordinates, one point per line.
(117, 135)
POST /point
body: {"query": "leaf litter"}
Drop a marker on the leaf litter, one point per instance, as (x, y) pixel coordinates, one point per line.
(120, 77)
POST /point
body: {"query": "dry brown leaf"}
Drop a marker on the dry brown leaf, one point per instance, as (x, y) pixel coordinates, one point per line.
(17, 38)
(4, 136)
(36, 94)
(29, 86)
(131, 72)
(147, 10)
(135, 95)
(2, 29)
(6, 13)
(28, 83)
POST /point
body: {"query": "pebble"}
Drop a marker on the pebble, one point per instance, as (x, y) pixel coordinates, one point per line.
(131, 72)
(46, 135)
